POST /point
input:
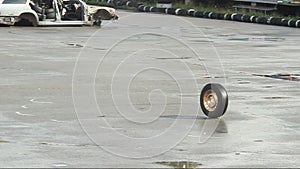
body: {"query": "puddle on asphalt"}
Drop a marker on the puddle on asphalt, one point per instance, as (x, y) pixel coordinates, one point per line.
(274, 39)
(263, 46)
(183, 117)
(220, 128)
(174, 58)
(226, 35)
(101, 49)
(222, 124)
(244, 82)
(179, 164)
(214, 77)
(45, 74)
(258, 141)
(200, 41)
(289, 77)
(275, 97)
(238, 37)
(145, 37)
(4, 141)
(24, 114)
(59, 165)
(75, 45)
(39, 102)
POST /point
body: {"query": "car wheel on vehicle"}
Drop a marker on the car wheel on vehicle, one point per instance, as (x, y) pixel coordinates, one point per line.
(27, 19)
(103, 14)
(98, 22)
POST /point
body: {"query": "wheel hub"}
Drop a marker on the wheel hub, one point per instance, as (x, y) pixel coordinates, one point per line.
(210, 100)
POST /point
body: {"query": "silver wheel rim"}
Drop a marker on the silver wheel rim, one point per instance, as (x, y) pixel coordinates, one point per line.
(210, 100)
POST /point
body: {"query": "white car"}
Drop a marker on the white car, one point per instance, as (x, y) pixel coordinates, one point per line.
(53, 13)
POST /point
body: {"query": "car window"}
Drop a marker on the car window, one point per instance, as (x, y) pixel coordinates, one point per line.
(14, 2)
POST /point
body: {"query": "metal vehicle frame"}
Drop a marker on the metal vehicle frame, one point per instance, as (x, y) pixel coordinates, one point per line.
(53, 13)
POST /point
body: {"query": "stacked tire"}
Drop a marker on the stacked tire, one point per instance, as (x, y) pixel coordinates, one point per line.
(50, 13)
(211, 15)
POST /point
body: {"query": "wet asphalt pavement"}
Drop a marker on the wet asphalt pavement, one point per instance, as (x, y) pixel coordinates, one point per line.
(126, 95)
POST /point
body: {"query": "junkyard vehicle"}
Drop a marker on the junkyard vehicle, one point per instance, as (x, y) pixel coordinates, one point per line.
(53, 13)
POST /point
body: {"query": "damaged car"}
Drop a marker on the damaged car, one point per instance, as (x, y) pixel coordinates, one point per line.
(53, 13)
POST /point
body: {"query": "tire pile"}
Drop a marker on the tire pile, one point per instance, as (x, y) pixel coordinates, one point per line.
(211, 15)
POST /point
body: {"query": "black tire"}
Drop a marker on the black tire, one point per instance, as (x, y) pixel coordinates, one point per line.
(51, 15)
(27, 19)
(98, 23)
(103, 14)
(50, 10)
(217, 93)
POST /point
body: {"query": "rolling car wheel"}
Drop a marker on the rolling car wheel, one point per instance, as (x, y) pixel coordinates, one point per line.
(98, 22)
(214, 100)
